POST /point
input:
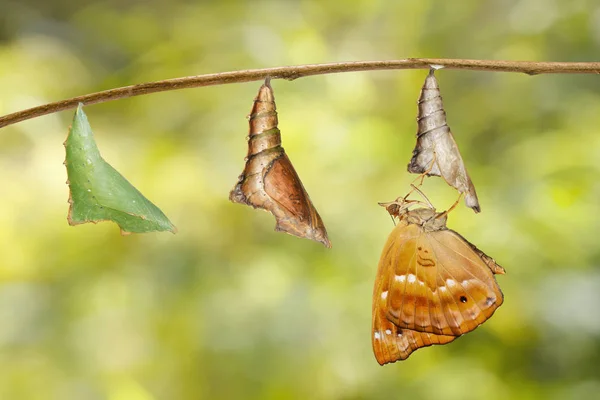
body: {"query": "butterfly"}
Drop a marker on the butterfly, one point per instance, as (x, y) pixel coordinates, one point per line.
(432, 285)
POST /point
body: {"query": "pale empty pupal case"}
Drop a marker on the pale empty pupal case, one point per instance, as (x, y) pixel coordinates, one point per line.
(436, 152)
(269, 181)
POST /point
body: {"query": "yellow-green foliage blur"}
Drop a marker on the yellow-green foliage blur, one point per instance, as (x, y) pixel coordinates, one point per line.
(230, 309)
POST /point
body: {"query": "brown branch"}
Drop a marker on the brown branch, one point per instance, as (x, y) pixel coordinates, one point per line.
(299, 71)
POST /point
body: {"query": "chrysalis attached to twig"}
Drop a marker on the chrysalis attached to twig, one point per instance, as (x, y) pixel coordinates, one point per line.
(98, 192)
(436, 152)
(269, 181)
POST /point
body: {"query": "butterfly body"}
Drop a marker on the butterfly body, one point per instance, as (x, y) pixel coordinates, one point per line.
(432, 286)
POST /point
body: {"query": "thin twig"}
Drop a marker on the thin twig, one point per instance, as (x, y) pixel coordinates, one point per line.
(299, 71)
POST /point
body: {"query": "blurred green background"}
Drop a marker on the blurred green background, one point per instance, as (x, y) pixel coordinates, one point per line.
(227, 308)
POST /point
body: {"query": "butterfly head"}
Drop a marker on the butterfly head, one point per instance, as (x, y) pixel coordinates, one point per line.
(401, 206)
(426, 217)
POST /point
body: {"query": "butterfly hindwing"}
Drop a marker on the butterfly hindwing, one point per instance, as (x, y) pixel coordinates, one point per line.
(391, 343)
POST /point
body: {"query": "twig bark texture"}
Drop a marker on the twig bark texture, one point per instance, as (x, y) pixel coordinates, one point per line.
(299, 71)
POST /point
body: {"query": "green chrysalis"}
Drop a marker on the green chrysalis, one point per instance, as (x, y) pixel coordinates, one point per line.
(98, 192)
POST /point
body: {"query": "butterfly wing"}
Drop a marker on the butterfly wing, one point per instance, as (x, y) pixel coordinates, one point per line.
(468, 276)
(391, 343)
(441, 285)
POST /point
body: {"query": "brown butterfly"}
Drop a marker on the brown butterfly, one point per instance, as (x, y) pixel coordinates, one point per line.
(269, 180)
(432, 285)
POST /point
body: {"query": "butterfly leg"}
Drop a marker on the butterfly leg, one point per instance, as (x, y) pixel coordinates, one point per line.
(424, 174)
(452, 207)
(421, 179)
(396, 207)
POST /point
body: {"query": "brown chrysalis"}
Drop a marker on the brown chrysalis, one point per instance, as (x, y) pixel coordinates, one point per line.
(436, 152)
(269, 181)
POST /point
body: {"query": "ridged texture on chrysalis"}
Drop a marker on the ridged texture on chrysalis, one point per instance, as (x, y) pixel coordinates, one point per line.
(436, 152)
(269, 181)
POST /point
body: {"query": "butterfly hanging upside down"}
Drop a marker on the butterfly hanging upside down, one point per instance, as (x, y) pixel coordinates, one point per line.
(432, 285)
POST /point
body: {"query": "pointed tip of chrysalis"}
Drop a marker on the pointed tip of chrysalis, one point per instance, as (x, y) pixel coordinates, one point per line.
(266, 87)
(472, 201)
(80, 120)
(319, 234)
(79, 111)
(265, 93)
(431, 80)
(326, 242)
(303, 230)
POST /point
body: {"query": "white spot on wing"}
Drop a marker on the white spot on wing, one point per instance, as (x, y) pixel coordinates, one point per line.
(384, 295)
(388, 332)
(377, 335)
(411, 278)
(450, 282)
(399, 278)
(421, 283)
(443, 288)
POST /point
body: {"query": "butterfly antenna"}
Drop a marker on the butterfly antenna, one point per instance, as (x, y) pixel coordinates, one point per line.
(393, 220)
(416, 189)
